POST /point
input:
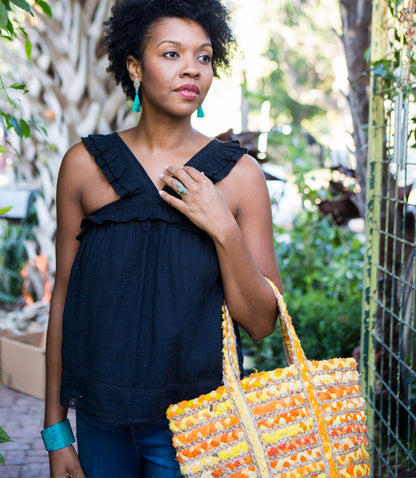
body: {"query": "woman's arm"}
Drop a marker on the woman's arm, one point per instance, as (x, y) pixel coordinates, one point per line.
(246, 252)
(69, 216)
(243, 237)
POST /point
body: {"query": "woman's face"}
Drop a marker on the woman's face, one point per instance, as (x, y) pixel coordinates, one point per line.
(176, 73)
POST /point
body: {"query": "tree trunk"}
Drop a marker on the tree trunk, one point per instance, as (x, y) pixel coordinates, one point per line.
(356, 22)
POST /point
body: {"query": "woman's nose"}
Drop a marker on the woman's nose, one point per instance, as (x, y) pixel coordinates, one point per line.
(190, 67)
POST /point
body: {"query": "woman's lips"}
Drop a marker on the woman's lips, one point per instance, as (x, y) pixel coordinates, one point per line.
(189, 95)
(189, 92)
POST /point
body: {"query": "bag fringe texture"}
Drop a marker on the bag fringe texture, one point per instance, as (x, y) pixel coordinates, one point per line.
(306, 420)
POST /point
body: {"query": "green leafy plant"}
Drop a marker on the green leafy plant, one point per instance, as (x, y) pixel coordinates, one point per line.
(4, 438)
(13, 256)
(12, 27)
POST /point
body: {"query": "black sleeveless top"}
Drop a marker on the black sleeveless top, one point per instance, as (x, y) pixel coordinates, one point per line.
(142, 318)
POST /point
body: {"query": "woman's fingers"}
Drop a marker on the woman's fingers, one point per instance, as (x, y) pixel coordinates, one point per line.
(184, 179)
(178, 186)
(185, 174)
(196, 175)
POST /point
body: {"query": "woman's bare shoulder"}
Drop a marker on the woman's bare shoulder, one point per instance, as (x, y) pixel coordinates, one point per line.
(247, 172)
(77, 157)
(82, 178)
(77, 165)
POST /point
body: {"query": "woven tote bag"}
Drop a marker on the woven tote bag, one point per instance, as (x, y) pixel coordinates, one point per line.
(306, 420)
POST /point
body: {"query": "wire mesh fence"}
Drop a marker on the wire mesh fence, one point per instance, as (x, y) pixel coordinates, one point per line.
(389, 324)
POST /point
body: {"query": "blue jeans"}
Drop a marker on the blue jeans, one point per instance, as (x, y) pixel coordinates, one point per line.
(114, 452)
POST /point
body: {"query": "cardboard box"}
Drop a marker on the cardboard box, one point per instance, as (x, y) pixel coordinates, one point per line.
(22, 360)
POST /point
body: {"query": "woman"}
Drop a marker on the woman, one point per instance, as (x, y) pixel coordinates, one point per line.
(172, 223)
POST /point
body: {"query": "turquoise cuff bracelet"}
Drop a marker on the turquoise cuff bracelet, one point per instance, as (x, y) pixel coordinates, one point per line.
(58, 436)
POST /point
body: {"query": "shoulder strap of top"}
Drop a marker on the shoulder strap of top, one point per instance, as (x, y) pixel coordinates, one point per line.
(221, 159)
(111, 162)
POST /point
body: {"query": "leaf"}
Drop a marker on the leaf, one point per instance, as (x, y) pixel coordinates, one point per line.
(2, 459)
(15, 125)
(10, 28)
(23, 5)
(3, 210)
(38, 126)
(23, 32)
(4, 18)
(19, 86)
(4, 437)
(25, 128)
(383, 69)
(45, 7)
(6, 117)
(28, 49)
(3, 149)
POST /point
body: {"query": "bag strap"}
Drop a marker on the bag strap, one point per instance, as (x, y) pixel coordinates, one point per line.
(294, 354)
(232, 384)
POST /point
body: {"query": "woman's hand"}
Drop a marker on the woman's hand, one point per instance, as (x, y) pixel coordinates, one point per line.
(201, 202)
(65, 463)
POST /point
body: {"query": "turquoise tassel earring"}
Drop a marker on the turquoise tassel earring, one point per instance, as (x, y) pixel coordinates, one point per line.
(200, 113)
(136, 106)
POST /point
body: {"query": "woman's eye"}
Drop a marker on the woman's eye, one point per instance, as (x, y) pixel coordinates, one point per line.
(170, 54)
(205, 58)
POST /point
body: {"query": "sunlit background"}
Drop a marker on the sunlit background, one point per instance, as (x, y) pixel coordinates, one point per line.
(315, 35)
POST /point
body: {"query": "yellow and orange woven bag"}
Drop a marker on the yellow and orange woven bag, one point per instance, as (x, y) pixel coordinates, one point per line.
(306, 420)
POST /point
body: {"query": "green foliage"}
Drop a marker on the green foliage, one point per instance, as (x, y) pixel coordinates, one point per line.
(285, 109)
(328, 326)
(298, 65)
(11, 28)
(296, 149)
(331, 255)
(4, 438)
(394, 5)
(20, 126)
(13, 254)
(397, 69)
(321, 268)
(10, 120)
(12, 258)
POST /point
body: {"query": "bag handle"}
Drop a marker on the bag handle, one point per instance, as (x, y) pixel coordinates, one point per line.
(294, 354)
(230, 342)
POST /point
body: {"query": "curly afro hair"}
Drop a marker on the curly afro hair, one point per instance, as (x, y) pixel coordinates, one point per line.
(127, 29)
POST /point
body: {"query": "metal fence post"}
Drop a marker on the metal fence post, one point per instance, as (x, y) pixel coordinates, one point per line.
(376, 134)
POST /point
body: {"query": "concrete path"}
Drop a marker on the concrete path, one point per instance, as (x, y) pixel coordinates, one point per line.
(21, 416)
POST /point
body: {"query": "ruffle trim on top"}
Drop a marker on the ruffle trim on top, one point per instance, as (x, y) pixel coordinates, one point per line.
(216, 166)
(138, 200)
(146, 209)
(107, 156)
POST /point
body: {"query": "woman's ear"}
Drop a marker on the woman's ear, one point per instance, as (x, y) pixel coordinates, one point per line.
(134, 68)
